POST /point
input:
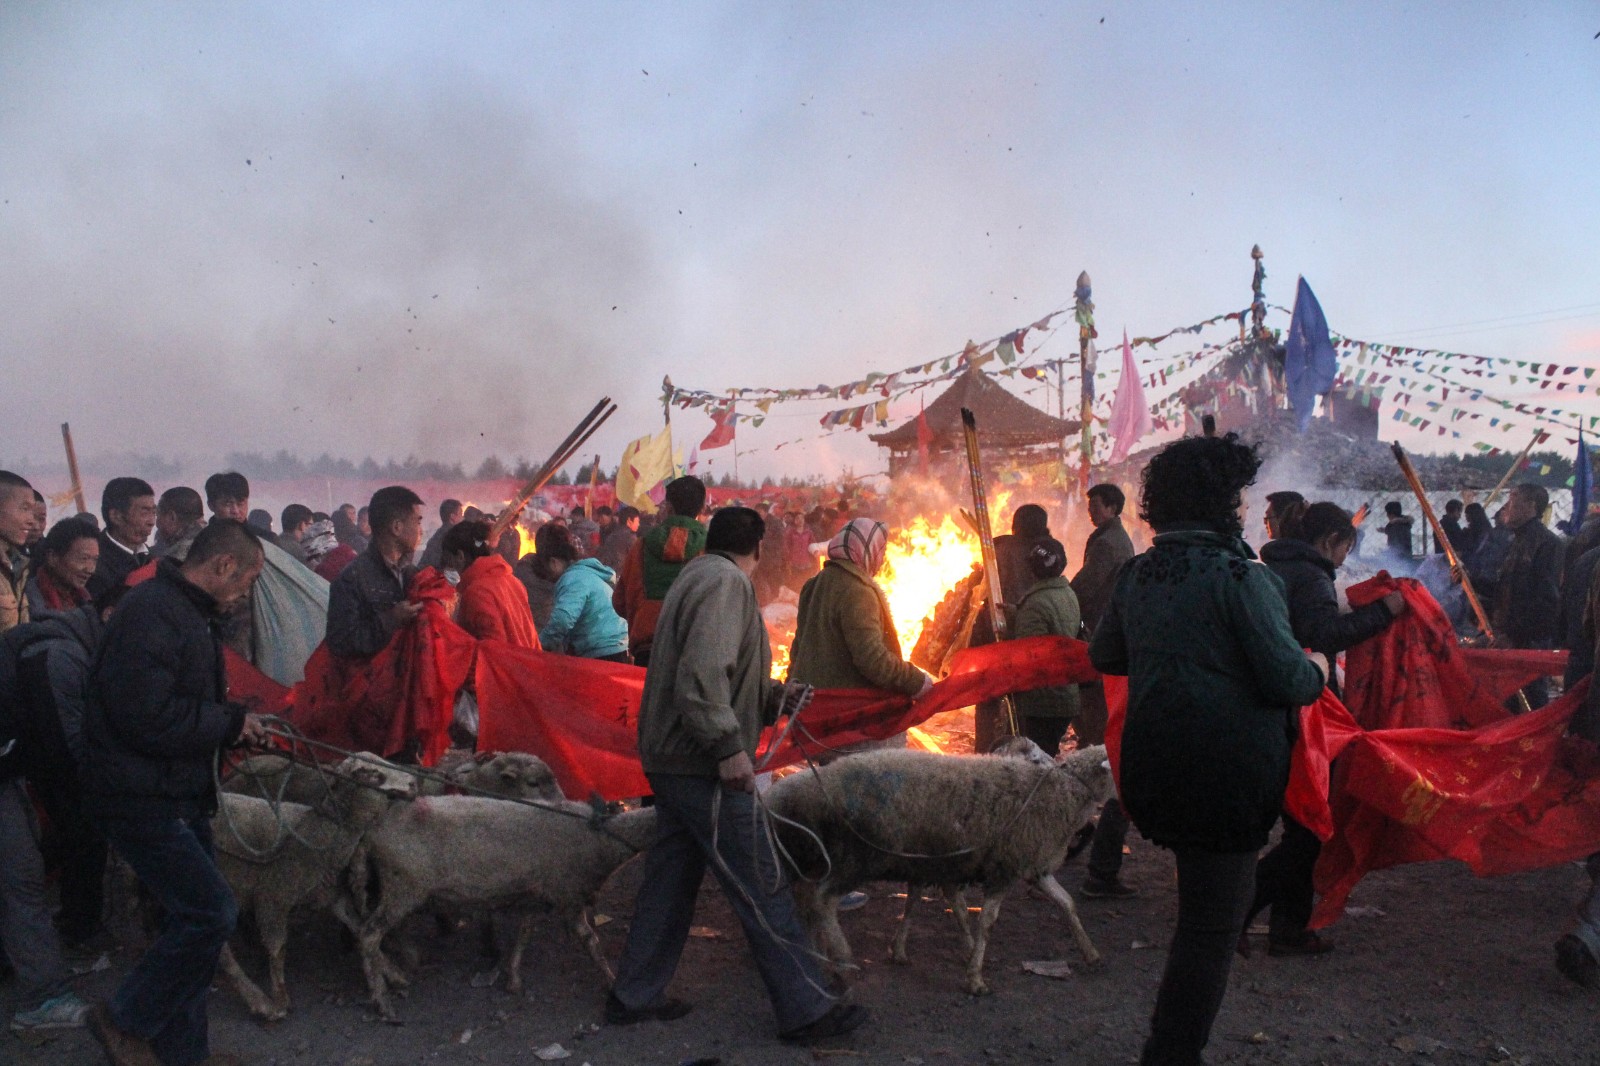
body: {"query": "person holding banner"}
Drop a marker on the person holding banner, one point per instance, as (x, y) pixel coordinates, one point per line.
(1215, 681)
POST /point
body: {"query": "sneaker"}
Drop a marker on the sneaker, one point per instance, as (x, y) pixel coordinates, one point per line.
(619, 1013)
(853, 901)
(1308, 943)
(1576, 963)
(65, 1011)
(1094, 888)
(841, 1018)
(80, 961)
(122, 1049)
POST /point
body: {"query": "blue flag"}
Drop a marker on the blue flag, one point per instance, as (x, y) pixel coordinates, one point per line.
(1310, 362)
(1582, 488)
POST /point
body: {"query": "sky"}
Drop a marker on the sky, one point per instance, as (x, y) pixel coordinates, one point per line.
(447, 229)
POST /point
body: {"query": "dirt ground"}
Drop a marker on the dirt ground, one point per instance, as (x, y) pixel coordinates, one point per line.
(1433, 967)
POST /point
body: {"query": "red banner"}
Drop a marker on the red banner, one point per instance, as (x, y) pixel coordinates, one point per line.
(581, 716)
(404, 695)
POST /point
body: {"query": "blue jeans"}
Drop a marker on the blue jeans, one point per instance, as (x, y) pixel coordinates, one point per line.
(25, 930)
(163, 998)
(673, 870)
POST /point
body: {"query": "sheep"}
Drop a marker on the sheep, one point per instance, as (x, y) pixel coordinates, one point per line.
(942, 820)
(463, 850)
(276, 857)
(513, 774)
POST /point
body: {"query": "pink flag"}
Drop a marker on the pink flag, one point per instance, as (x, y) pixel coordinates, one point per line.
(1130, 415)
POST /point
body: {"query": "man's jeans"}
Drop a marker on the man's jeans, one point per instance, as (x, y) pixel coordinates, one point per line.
(25, 930)
(163, 998)
(1214, 891)
(673, 870)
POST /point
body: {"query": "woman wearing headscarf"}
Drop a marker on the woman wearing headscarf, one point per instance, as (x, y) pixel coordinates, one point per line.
(1215, 680)
(323, 552)
(845, 636)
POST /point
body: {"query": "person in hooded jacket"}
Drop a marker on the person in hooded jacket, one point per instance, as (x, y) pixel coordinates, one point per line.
(1048, 609)
(492, 603)
(582, 621)
(1313, 543)
(656, 560)
(53, 658)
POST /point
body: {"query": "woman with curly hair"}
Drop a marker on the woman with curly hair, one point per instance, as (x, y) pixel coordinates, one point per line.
(1215, 678)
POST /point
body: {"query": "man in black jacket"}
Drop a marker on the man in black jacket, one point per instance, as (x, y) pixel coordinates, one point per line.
(1527, 603)
(367, 602)
(128, 506)
(158, 714)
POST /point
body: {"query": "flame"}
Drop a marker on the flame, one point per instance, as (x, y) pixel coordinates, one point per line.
(923, 562)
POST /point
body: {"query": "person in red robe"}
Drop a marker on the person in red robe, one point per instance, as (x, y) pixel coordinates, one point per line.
(493, 604)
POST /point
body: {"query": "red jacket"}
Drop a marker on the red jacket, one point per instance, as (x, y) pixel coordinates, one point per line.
(494, 604)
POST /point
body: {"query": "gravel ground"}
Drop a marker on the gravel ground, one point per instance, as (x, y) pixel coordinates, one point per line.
(1432, 967)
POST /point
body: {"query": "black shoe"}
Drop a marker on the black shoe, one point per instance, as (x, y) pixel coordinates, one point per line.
(841, 1018)
(1307, 943)
(1576, 963)
(619, 1013)
(1094, 888)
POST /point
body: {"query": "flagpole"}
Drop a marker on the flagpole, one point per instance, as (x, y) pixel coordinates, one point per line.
(1083, 311)
(1512, 472)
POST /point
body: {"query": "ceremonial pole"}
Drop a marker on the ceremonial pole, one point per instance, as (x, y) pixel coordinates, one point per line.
(1512, 472)
(991, 569)
(1083, 311)
(72, 468)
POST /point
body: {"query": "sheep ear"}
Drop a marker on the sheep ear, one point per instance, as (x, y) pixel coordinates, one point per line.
(508, 775)
(1106, 763)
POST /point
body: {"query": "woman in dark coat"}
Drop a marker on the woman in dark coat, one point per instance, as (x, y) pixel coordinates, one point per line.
(1305, 557)
(1215, 680)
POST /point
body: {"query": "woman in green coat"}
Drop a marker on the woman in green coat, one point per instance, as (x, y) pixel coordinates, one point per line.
(1048, 609)
(1215, 678)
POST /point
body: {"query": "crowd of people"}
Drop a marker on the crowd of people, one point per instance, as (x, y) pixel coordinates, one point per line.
(114, 699)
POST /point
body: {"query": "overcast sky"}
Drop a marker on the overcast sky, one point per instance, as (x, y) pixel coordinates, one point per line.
(446, 229)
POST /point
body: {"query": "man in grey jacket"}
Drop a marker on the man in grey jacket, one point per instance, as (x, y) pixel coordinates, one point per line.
(1104, 554)
(708, 693)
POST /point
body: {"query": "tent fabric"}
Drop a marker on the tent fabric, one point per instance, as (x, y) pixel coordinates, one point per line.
(288, 614)
(1004, 420)
(403, 696)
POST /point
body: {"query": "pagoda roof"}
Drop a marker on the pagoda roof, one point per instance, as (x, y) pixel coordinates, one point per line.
(1003, 419)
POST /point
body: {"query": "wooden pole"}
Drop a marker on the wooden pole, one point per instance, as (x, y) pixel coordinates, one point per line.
(1083, 311)
(1512, 472)
(991, 569)
(594, 484)
(575, 440)
(72, 468)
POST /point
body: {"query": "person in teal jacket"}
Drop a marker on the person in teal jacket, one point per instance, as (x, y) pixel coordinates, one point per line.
(1215, 679)
(583, 622)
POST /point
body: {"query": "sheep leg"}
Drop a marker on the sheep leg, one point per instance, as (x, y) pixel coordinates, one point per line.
(957, 898)
(819, 911)
(897, 950)
(255, 1000)
(344, 911)
(591, 940)
(273, 927)
(986, 920)
(1052, 888)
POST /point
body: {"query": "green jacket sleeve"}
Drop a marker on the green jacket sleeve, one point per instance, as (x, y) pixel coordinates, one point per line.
(703, 688)
(861, 626)
(1261, 619)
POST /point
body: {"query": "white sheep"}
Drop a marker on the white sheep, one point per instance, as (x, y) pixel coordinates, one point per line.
(926, 819)
(467, 851)
(513, 774)
(277, 857)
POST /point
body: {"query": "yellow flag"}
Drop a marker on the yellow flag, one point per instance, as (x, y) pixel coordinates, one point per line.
(646, 463)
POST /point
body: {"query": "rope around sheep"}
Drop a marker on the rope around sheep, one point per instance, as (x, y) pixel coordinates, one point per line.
(595, 816)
